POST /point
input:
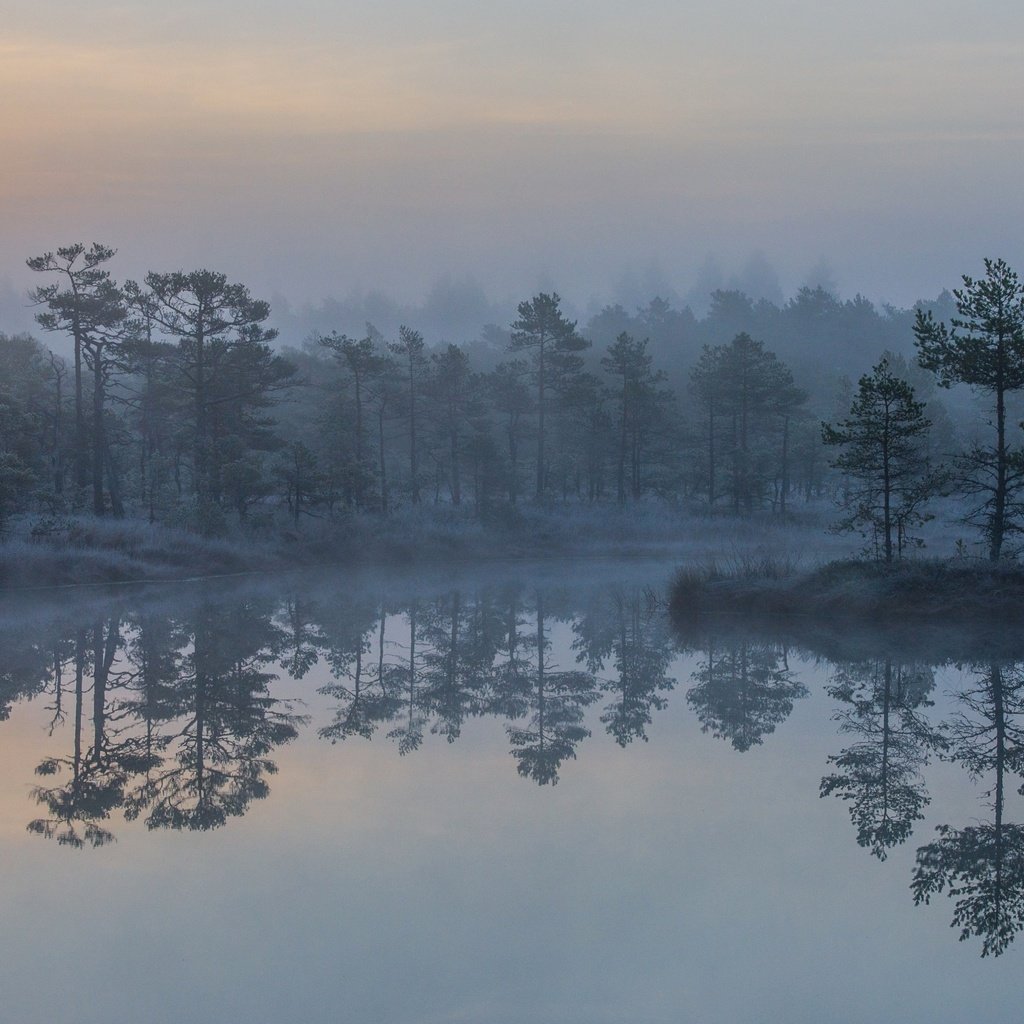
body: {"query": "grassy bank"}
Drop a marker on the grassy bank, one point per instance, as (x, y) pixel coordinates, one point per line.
(914, 590)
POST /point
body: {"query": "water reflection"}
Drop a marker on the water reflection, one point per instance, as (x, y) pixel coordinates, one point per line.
(883, 706)
(981, 866)
(106, 754)
(626, 632)
(170, 719)
(460, 657)
(744, 691)
(442, 675)
(171, 715)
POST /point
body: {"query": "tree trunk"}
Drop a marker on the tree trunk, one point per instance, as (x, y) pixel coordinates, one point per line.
(413, 455)
(98, 431)
(81, 458)
(735, 466)
(711, 451)
(58, 430)
(113, 482)
(886, 491)
(359, 443)
(784, 490)
(383, 464)
(540, 426)
(513, 460)
(636, 465)
(621, 479)
(455, 481)
(999, 508)
(199, 484)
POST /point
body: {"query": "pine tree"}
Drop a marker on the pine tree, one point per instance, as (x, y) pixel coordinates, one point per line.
(554, 344)
(91, 309)
(409, 351)
(984, 347)
(225, 369)
(883, 449)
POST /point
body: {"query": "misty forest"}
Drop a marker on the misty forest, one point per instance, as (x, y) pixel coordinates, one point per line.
(175, 402)
(511, 513)
(724, 590)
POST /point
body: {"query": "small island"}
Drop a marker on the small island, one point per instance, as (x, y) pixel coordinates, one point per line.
(912, 591)
(892, 481)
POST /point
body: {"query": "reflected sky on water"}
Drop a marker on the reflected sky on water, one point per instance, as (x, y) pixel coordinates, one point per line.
(520, 795)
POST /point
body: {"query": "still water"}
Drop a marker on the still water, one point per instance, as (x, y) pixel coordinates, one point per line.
(513, 796)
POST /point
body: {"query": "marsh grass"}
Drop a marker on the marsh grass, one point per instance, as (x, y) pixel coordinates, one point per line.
(846, 590)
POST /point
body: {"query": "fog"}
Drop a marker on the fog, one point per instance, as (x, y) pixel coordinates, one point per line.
(554, 547)
(310, 152)
(459, 308)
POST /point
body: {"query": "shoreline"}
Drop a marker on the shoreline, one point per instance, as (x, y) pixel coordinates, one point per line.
(918, 605)
(912, 592)
(93, 553)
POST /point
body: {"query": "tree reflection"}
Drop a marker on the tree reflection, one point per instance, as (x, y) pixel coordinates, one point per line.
(29, 662)
(222, 723)
(96, 773)
(359, 684)
(302, 641)
(554, 702)
(880, 775)
(981, 867)
(513, 667)
(625, 628)
(744, 690)
(461, 639)
(411, 717)
(170, 720)
(462, 656)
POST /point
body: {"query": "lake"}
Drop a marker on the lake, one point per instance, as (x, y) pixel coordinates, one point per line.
(503, 795)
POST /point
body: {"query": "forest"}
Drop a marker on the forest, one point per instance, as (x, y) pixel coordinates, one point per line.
(174, 401)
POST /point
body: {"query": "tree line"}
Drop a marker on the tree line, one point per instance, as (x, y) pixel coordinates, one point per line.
(883, 443)
(175, 405)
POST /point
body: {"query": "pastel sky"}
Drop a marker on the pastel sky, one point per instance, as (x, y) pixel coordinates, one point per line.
(312, 147)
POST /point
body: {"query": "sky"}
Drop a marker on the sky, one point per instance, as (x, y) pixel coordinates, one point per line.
(311, 148)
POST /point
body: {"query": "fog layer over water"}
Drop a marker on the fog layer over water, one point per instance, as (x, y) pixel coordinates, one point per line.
(511, 796)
